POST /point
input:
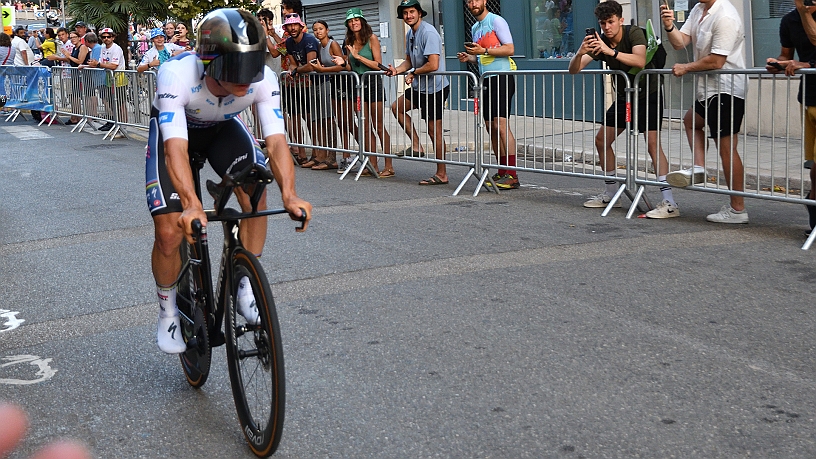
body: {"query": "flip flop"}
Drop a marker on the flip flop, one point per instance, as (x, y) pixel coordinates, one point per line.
(387, 173)
(434, 180)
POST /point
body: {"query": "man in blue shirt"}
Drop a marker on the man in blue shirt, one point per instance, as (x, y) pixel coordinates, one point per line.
(423, 55)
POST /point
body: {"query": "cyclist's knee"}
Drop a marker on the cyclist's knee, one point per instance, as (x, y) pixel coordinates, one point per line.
(168, 234)
(244, 198)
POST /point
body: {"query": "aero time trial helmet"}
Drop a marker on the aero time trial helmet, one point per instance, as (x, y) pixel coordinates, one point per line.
(232, 45)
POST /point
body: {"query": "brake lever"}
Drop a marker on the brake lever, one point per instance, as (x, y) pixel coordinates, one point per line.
(302, 219)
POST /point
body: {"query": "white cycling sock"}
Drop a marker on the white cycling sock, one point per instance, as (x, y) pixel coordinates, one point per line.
(167, 301)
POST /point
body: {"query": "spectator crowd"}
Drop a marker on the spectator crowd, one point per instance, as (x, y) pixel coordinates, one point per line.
(318, 91)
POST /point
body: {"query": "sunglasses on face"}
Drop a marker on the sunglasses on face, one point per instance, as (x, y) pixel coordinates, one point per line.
(106, 37)
(291, 15)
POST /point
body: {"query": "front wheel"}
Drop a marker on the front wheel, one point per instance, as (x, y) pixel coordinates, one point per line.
(195, 361)
(255, 360)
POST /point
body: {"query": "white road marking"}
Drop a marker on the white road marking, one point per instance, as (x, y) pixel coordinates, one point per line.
(12, 321)
(26, 132)
(44, 372)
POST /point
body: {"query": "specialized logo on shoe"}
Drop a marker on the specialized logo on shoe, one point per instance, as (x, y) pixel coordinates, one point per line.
(172, 330)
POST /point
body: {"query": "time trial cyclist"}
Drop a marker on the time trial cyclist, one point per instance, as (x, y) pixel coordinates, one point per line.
(198, 98)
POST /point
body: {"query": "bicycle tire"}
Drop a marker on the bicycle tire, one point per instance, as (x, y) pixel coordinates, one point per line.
(195, 361)
(255, 360)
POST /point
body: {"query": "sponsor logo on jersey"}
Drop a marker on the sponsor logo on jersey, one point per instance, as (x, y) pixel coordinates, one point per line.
(250, 90)
(174, 196)
(196, 89)
(166, 117)
(275, 93)
(229, 102)
(229, 116)
(166, 96)
(210, 102)
(192, 111)
(278, 113)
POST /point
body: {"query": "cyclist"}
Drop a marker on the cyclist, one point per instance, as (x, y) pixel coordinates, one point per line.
(198, 98)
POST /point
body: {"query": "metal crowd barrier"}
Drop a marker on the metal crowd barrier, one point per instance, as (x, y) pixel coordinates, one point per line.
(770, 142)
(551, 126)
(322, 112)
(121, 97)
(359, 115)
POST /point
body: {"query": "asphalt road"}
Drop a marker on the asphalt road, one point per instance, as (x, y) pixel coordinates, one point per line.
(415, 324)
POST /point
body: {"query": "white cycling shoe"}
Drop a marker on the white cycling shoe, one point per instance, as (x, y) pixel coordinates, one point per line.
(246, 303)
(168, 335)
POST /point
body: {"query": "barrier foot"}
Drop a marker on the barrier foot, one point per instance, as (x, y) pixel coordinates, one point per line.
(351, 166)
(635, 202)
(80, 125)
(486, 177)
(462, 183)
(366, 165)
(809, 240)
(112, 133)
(615, 198)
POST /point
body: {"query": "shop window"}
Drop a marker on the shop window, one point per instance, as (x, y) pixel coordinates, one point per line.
(553, 30)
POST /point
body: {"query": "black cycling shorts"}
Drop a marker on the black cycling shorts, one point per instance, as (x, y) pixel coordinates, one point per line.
(228, 146)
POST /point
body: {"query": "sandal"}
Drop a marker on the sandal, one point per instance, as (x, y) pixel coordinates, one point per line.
(387, 173)
(411, 153)
(300, 160)
(311, 162)
(324, 166)
(434, 180)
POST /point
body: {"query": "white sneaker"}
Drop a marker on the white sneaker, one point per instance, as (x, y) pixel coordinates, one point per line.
(686, 177)
(344, 164)
(728, 215)
(664, 210)
(168, 335)
(246, 303)
(602, 200)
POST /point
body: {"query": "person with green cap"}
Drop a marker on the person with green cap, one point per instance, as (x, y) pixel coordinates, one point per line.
(365, 56)
(428, 93)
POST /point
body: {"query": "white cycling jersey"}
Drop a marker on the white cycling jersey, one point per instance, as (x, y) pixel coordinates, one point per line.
(183, 100)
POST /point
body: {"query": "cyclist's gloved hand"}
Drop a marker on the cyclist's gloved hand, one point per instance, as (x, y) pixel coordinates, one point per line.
(295, 206)
(186, 221)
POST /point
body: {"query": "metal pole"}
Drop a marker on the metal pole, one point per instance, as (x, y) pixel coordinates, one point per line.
(62, 9)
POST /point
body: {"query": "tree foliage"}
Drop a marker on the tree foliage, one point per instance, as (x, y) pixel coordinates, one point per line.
(187, 10)
(116, 13)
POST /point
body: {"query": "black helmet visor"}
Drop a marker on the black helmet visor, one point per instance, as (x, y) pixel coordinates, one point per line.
(238, 68)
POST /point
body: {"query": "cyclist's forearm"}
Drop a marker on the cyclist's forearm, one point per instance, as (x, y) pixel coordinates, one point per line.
(280, 160)
(178, 167)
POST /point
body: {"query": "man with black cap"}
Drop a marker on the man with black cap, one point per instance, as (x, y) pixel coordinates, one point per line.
(423, 54)
(81, 30)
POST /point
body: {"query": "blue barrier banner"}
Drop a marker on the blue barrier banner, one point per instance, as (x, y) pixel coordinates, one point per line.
(27, 88)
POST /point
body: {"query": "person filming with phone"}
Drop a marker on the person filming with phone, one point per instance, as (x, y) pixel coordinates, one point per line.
(795, 30)
(492, 50)
(623, 53)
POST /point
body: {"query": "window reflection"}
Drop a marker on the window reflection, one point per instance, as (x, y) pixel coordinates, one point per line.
(553, 22)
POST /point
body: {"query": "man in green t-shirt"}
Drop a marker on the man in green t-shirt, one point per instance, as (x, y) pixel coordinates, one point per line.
(624, 53)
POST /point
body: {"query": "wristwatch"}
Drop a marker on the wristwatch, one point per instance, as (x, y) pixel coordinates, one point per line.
(486, 53)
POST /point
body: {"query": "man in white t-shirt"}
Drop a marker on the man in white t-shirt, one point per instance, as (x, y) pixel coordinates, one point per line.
(715, 29)
(112, 58)
(24, 54)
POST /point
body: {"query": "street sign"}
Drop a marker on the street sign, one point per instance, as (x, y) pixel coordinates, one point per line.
(8, 18)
